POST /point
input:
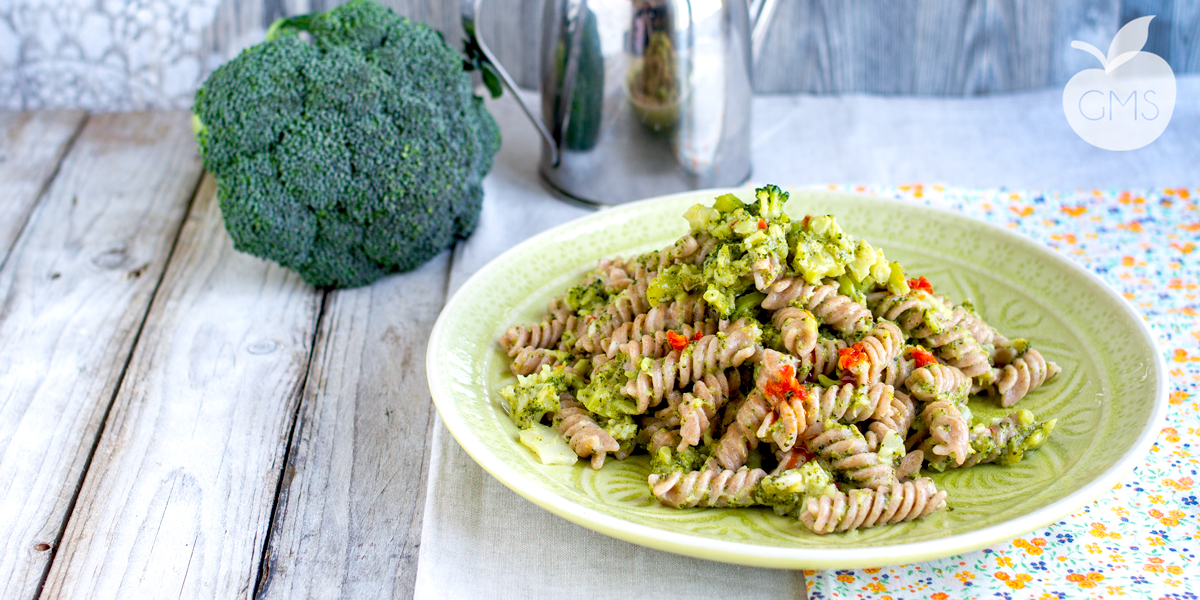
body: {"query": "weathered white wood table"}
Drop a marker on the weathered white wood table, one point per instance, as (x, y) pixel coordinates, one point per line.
(180, 419)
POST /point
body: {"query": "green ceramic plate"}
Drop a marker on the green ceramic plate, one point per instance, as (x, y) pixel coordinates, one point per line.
(1109, 400)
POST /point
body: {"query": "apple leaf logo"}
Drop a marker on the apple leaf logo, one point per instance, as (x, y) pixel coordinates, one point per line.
(1127, 104)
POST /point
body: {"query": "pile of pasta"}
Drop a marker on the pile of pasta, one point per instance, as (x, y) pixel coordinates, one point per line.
(764, 361)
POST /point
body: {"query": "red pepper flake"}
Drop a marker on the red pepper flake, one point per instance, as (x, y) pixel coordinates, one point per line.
(787, 384)
(920, 283)
(677, 341)
(699, 334)
(851, 357)
(590, 319)
(762, 223)
(923, 357)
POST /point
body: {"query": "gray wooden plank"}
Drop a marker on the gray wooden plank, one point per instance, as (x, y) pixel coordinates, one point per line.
(1185, 37)
(927, 47)
(348, 519)
(179, 494)
(32, 144)
(75, 292)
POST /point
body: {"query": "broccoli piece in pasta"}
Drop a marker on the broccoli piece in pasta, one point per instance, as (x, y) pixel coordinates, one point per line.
(528, 400)
(667, 460)
(1004, 440)
(753, 249)
(674, 283)
(788, 492)
(587, 296)
(602, 395)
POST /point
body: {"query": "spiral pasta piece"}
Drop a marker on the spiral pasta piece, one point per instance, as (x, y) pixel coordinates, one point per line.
(901, 418)
(545, 334)
(910, 465)
(698, 409)
(879, 349)
(584, 435)
(899, 369)
(654, 344)
(860, 509)
(668, 315)
(798, 329)
(959, 348)
(689, 249)
(832, 308)
(824, 357)
(802, 416)
(948, 431)
(1004, 440)
(937, 381)
(1025, 374)
(918, 313)
(766, 271)
(735, 445)
(846, 450)
(530, 360)
(709, 354)
(708, 487)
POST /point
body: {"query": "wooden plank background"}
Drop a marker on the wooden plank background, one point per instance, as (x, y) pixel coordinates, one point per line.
(179, 495)
(75, 290)
(100, 58)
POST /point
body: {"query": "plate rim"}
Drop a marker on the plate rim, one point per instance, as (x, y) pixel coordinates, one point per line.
(749, 554)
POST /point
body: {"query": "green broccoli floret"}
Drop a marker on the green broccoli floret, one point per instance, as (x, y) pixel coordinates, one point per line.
(667, 460)
(788, 492)
(349, 157)
(602, 395)
(528, 400)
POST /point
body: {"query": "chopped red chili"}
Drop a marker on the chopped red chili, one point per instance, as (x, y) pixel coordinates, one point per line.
(920, 283)
(762, 224)
(787, 384)
(923, 357)
(676, 340)
(699, 334)
(851, 357)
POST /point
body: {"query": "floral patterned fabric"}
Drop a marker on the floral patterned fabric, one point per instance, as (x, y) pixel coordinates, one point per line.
(1140, 539)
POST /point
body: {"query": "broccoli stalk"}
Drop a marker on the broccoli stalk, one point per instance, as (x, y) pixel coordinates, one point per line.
(359, 154)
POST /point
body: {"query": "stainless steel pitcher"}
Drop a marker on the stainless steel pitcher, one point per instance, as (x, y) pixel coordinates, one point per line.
(642, 97)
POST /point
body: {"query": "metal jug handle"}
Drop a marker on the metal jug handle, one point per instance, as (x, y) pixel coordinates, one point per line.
(470, 12)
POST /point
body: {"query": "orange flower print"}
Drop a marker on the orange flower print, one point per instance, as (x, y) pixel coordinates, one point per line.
(1172, 435)
(1184, 483)
(1022, 211)
(939, 596)
(846, 578)
(1003, 561)
(964, 576)
(871, 571)
(1015, 582)
(1154, 566)
(1074, 211)
(1184, 248)
(1085, 581)
(876, 587)
(1034, 547)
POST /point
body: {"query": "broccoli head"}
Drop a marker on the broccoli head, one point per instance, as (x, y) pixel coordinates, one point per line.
(350, 156)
